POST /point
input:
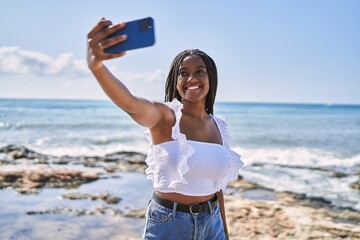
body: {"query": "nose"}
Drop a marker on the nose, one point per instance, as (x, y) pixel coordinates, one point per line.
(192, 78)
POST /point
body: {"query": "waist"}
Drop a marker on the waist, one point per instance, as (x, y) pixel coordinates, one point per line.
(183, 199)
(187, 208)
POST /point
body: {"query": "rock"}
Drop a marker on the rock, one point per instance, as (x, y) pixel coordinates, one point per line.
(18, 152)
(242, 185)
(37, 177)
(102, 196)
(110, 167)
(91, 162)
(289, 218)
(77, 212)
(140, 213)
(112, 200)
(355, 185)
(10, 177)
(129, 157)
(105, 196)
(90, 176)
(115, 162)
(75, 196)
(27, 191)
(339, 174)
(22, 178)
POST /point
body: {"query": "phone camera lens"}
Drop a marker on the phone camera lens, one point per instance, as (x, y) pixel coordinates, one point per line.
(145, 25)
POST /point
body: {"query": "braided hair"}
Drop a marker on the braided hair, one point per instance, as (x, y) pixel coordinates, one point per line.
(171, 81)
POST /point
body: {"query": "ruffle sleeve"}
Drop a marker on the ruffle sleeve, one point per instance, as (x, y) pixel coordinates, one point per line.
(234, 159)
(185, 149)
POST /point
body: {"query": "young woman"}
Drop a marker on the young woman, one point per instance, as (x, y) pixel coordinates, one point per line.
(189, 160)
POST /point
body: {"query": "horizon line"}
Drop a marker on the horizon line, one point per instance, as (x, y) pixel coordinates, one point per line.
(219, 101)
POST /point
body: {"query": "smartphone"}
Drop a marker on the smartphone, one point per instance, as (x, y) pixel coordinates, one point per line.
(140, 33)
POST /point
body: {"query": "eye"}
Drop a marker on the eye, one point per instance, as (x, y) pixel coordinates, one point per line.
(183, 74)
(201, 72)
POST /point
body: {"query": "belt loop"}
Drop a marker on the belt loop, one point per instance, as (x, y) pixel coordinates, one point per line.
(210, 208)
(174, 209)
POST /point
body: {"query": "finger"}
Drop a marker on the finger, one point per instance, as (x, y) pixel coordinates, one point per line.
(110, 30)
(98, 51)
(103, 56)
(101, 45)
(103, 23)
(112, 41)
(113, 55)
(103, 34)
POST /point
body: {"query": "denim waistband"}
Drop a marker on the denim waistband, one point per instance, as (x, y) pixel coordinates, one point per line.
(192, 208)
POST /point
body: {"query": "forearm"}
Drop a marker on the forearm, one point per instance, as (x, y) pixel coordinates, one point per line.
(115, 89)
(220, 196)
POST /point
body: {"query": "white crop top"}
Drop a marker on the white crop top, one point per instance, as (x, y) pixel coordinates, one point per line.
(191, 167)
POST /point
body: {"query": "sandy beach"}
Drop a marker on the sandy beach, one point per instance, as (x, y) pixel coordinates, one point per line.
(69, 198)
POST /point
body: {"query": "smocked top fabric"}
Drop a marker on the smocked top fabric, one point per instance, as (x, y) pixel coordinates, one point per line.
(191, 167)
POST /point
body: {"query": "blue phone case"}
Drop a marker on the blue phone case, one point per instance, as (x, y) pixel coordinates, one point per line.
(140, 33)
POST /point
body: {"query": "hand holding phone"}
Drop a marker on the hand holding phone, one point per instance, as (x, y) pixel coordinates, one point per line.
(140, 33)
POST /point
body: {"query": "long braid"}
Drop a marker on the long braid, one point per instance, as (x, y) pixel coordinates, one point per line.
(170, 86)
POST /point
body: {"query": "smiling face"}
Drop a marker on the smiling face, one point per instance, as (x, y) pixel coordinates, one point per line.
(193, 79)
(173, 88)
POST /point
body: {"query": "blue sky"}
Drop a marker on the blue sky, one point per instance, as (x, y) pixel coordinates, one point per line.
(266, 51)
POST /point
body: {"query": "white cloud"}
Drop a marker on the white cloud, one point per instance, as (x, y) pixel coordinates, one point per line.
(17, 61)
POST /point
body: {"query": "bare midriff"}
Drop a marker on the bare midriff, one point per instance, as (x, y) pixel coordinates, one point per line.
(184, 199)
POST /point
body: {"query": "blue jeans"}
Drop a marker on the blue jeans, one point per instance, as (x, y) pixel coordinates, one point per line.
(169, 224)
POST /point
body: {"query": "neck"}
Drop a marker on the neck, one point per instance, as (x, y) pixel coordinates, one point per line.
(195, 109)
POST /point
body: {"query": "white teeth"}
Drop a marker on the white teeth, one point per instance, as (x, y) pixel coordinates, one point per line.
(193, 87)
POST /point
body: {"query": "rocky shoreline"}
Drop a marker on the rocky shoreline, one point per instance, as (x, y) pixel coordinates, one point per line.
(253, 211)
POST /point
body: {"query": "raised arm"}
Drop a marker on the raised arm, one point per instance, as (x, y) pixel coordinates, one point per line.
(145, 112)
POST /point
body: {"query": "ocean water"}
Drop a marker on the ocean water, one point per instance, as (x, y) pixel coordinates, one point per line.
(286, 147)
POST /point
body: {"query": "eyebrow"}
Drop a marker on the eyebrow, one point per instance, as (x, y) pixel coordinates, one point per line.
(200, 66)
